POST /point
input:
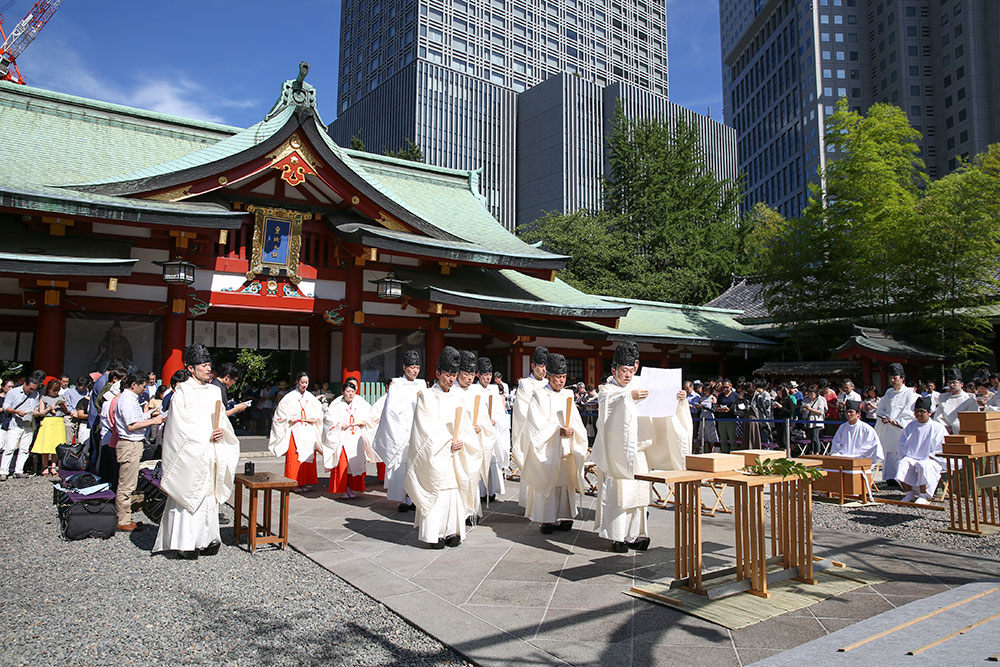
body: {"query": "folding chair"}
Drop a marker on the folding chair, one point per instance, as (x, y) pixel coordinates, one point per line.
(718, 488)
(589, 472)
(662, 501)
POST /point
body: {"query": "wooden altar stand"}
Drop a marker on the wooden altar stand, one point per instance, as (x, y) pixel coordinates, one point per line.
(846, 476)
(791, 530)
(974, 496)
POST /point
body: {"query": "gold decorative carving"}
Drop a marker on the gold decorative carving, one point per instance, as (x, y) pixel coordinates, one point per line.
(274, 263)
(355, 200)
(223, 180)
(294, 144)
(389, 222)
(171, 195)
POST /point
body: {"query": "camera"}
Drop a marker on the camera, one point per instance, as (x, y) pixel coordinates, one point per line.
(248, 468)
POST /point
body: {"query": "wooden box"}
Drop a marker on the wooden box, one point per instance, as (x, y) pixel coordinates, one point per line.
(979, 422)
(850, 482)
(969, 448)
(714, 462)
(960, 439)
(751, 456)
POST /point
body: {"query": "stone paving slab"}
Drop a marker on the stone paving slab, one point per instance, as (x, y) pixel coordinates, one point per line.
(510, 595)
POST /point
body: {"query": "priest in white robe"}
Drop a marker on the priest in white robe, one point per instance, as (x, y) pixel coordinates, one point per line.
(373, 421)
(919, 466)
(556, 451)
(344, 427)
(526, 388)
(392, 437)
(499, 455)
(199, 462)
(857, 439)
(297, 433)
(953, 401)
(442, 462)
(476, 414)
(894, 412)
(626, 445)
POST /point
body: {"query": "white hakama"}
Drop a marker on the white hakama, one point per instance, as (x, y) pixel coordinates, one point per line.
(614, 522)
(181, 530)
(526, 388)
(499, 455)
(897, 406)
(446, 517)
(918, 449)
(392, 437)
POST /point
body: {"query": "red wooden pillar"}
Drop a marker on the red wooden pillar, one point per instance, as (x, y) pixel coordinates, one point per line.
(50, 340)
(351, 350)
(174, 331)
(435, 343)
(866, 366)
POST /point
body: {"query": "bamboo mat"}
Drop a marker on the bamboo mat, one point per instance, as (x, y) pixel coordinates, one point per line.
(740, 610)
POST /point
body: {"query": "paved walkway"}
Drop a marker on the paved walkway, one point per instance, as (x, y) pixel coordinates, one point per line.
(510, 595)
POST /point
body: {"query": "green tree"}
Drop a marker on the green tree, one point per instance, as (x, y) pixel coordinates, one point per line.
(410, 151)
(670, 229)
(356, 143)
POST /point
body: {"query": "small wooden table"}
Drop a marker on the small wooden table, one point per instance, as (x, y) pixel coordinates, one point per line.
(266, 482)
(845, 476)
(972, 509)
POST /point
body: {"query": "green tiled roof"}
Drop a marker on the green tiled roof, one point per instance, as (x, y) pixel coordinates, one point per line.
(48, 138)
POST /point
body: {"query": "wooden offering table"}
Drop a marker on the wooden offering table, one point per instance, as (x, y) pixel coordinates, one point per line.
(845, 476)
(266, 482)
(974, 508)
(791, 529)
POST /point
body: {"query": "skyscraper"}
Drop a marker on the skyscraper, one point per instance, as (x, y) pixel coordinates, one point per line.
(787, 62)
(447, 74)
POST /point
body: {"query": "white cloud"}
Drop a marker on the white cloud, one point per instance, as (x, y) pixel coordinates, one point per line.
(55, 65)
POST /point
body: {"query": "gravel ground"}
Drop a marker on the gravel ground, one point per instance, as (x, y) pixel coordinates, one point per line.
(107, 602)
(900, 522)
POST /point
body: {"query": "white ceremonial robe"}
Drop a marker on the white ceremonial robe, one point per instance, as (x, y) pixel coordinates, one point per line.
(350, 440)
(858, 441)
(499, 457)
(992, 404)
(948, 407)
(553, 465)
(919, 446)
(526, 388)
(392, 437)
(287, 422)
(441, 481)
(197, 473)
(373, 422)
(620, 454)
(898, 407)
(484, 439)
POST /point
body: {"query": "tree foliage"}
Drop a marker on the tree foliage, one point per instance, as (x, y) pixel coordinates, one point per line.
(669, 230)
(884, 247)
(410, 151)
(356, 143)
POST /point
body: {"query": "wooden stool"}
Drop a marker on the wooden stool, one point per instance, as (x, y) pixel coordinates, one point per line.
(266, 482)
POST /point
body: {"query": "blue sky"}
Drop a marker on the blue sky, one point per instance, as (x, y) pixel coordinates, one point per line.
(225, 61)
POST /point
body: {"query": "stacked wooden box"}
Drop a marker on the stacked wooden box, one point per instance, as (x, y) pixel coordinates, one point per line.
(980, 434)
(714, 462)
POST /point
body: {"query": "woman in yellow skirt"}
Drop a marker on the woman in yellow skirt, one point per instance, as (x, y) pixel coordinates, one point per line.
(53, 429)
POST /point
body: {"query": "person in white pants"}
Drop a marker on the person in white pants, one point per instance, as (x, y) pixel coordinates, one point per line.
(21, 403)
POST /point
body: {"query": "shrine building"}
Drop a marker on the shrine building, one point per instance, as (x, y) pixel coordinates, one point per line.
(132, 233)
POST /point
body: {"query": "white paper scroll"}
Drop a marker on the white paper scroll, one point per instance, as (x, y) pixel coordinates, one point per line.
(662, 385)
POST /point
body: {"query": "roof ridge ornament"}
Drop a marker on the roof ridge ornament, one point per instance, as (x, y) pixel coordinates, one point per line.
(295, 92)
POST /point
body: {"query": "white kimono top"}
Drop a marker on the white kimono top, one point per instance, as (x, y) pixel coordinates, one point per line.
(898, 407)
(392, 437)
(432, 466)
(354, 415)
(547, 451)
(526, 388)
(950, 405)
(501, 446)
(922, 441)
(857, 440)
(295, 407)
(194, 467)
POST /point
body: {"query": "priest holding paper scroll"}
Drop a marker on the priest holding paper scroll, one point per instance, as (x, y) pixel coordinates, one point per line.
(628, 444)
(442, 463)
(556, 442)
(200, 452)
(475, 414)
(526, 388)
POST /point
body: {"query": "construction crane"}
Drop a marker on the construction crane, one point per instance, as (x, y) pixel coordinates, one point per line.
(22, 35)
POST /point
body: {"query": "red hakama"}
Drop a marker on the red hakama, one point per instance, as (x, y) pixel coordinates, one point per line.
(303, 473)
(340, 480)
(380, 471)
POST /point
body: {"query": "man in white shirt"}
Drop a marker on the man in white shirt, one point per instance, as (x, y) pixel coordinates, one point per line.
(894, 412)
(130, 426)
(21, 403)
(919, 467)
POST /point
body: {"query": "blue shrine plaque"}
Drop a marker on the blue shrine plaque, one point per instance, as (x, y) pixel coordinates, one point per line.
(277, 242)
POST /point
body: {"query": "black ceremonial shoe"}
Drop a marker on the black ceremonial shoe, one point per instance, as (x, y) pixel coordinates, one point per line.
(619, 547)
(565, 526)
(435, 545)
(452, 541)
(211, 549)
(640, 544)
(404, 508)
(493, 498)
(547, 528)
